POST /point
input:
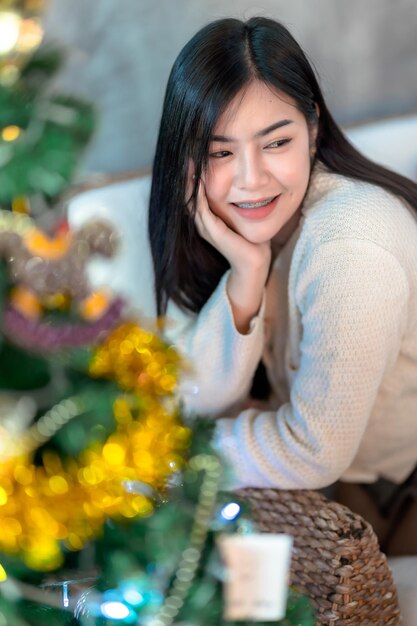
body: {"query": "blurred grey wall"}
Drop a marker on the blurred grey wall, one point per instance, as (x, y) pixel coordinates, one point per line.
(120, 53)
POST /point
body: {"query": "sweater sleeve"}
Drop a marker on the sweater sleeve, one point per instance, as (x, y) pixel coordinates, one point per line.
(221, 360)
(351, 297)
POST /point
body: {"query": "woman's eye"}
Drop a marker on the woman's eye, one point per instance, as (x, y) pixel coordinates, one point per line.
(220, 154)
(278, 143)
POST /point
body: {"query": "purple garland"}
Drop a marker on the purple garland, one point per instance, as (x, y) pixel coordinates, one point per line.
(42, 336)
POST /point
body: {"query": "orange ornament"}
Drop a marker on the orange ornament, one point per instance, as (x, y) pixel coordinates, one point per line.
(39, 244)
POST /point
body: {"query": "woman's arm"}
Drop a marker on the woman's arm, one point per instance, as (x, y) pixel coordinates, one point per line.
(249, 263)
(222, 360)
(352, 298)
(224, 342)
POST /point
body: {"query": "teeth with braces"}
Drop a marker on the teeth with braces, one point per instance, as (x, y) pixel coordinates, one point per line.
(255, 205)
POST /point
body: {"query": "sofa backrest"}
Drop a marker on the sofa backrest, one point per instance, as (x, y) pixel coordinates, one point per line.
(391, 142)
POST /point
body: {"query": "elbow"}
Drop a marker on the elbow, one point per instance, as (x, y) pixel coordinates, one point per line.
(327, 469)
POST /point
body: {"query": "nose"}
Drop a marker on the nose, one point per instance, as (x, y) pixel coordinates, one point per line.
(251, 171)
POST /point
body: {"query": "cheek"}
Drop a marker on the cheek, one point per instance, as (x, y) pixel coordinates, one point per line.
(217, 187)
(295, 174)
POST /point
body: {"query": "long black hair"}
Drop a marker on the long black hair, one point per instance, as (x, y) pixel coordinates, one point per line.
(214, 66)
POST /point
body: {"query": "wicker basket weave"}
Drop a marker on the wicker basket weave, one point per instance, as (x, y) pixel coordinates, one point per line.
(336, 558)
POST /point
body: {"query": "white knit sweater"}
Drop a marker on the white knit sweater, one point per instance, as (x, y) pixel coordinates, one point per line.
(338, 333)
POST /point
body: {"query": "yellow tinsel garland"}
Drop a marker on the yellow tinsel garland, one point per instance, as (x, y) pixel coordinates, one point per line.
(64, 503)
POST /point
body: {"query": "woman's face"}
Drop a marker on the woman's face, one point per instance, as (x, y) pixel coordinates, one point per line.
(259, 165)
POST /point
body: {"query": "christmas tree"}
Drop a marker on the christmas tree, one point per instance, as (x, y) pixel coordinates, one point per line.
(110, 503)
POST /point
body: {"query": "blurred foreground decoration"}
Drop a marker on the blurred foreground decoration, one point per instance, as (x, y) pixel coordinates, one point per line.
(109, 503)
(50, 500)
(109, 509)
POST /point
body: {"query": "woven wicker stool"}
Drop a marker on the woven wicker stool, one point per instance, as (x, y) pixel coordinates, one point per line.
(336, 557)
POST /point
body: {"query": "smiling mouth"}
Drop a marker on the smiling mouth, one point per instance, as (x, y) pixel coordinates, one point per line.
(254, 205)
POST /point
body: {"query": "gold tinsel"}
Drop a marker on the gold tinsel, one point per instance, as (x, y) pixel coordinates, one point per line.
(138, 361)
(63, 504)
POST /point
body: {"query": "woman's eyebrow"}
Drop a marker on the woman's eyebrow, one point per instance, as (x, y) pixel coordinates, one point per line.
(260, 133)
(269, 129)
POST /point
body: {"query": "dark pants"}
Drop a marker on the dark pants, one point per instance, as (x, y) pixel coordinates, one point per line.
(391, 510)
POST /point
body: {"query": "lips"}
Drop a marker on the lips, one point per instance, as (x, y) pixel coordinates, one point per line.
(256, 209)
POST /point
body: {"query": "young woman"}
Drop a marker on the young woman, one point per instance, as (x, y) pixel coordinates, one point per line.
(280, 242)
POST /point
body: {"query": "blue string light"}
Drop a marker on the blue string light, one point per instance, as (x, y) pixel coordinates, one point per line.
(114, 610)
(230, 511)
